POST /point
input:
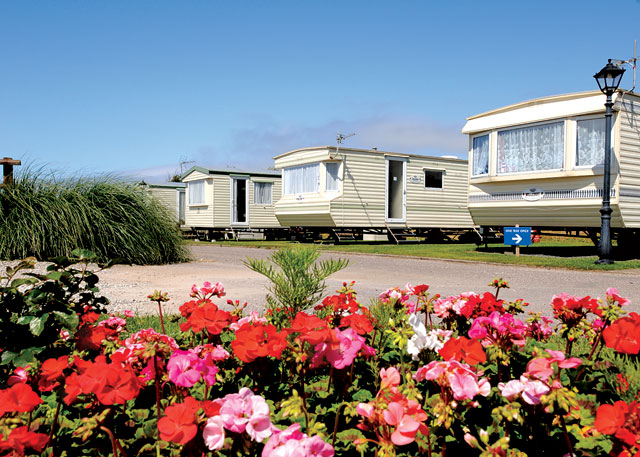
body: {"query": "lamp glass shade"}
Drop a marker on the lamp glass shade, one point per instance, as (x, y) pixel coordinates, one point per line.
(609, 77)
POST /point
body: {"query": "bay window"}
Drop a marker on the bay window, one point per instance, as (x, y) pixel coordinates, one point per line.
(481, 155)
(535, 148)
(301, 179)
(333, 179)
(590, 142)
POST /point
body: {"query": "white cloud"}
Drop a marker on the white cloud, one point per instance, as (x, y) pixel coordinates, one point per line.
(399, 134)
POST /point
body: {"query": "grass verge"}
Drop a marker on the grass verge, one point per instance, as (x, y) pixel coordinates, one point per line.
(551, 252)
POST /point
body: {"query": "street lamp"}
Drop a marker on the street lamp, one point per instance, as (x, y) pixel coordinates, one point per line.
(608, 81)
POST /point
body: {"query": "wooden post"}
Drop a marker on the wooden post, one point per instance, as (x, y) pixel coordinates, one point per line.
(7, 169)
(517, 245)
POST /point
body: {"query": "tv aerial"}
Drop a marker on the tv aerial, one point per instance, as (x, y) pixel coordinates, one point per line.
(340, 138)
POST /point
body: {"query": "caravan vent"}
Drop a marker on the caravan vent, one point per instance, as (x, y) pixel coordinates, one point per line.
(546, 195)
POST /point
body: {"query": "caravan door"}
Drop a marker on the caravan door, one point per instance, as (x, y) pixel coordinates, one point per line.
(396, 193)
(239, 201)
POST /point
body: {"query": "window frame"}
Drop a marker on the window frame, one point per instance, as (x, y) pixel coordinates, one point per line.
(563, 167)
(574, 159)
(473, 155)
(338, 179)
(190, 192)
(434, 170)
(285, 178)
(270, 183)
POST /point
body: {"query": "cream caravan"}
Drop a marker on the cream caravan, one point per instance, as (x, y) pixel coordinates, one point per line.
(539, 163)
(365, 190)
(229, 202)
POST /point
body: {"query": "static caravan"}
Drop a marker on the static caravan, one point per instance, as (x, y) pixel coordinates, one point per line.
(223, 202)
(369, 190)
(172, 196)
(540, 163)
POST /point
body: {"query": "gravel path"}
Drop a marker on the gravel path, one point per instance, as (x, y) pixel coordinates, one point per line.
(127, 286)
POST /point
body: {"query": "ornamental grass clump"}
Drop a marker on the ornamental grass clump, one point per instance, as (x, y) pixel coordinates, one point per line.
(416, 374)
(46, 217)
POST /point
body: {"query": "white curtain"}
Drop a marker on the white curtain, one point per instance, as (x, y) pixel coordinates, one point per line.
(481, 155)
(536, 148)
(196, 192)
(333, 180)
(262, 193)
(302, 179)
(590, 149)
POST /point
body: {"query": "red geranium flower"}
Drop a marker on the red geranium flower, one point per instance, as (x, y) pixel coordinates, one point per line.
(624, 334)
(179, 424)
(310, 328)
(21, 439)
(207, 316)
(18, 398)
(254, 340)
(361, 324)
(462, 348)
(622, 420)
(51, 372)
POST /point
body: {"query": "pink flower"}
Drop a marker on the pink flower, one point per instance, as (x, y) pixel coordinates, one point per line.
(19, 375)
(459, 377)
(245, 411)
(533, 390)
(365, 410)
(128, 313)
(315, 446)
(213, 433)
(390, 377)
(612, 296)
(182, 368)
(406, 426)
(342, 354)
(253, 317)
(511, 389)
(208, 290)
(291, 442)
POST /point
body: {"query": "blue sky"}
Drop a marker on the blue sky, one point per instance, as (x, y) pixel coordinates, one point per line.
(135, 87)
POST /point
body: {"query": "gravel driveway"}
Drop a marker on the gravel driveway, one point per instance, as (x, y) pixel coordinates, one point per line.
(128, 286)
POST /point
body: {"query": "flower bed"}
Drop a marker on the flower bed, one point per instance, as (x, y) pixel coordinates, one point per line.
(412, 374)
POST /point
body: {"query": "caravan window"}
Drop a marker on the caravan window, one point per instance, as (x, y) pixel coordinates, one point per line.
(590, 142)
(262, 192)
(433, 179)
(333, 179)
(196, 192)
(302, 179)
(481, 155)
(536, 148)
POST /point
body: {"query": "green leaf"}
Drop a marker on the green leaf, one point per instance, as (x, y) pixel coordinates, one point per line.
(24, 320)
(362, 396)
(70, 321)
(83, 254)
(54, 275)
(23, 281)
(36, 326)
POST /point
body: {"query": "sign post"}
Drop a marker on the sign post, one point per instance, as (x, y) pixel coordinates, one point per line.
(517, 236)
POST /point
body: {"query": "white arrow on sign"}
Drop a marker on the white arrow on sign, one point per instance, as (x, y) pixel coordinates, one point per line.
(517, 238)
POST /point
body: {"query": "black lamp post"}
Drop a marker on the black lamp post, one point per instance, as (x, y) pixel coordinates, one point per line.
(608, 80)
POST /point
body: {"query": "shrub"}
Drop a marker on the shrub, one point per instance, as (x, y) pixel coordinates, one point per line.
(45, 217)
(298, 282)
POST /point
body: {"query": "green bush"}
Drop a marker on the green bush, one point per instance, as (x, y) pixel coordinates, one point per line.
(45, 217)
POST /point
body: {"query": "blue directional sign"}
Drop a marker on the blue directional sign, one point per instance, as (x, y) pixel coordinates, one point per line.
(517, 236)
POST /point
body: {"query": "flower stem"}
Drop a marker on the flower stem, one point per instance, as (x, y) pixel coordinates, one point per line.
(161, 318)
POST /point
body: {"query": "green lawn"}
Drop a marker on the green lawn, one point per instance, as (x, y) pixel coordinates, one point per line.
(554, 252)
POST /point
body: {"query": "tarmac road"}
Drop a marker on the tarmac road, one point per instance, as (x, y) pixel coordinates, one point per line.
(127, 286)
